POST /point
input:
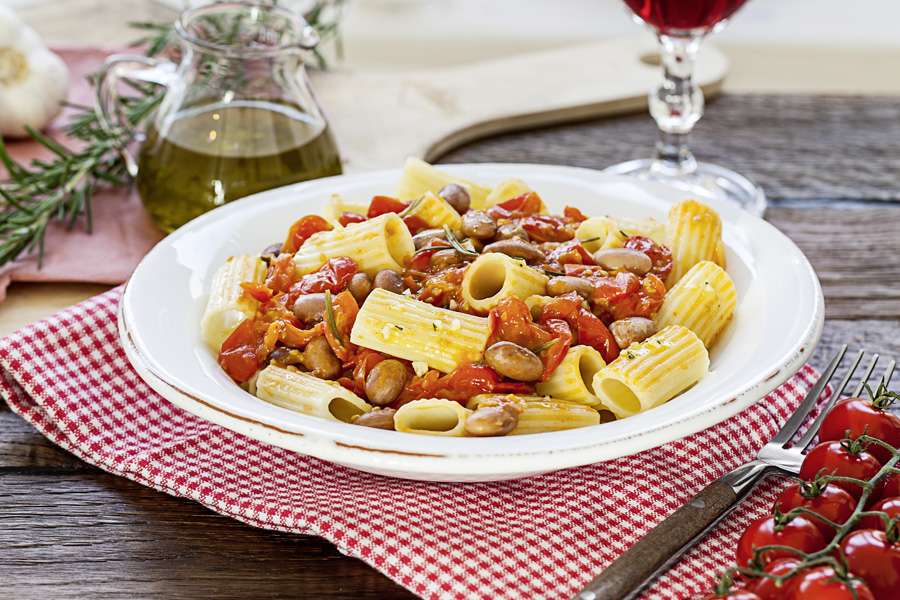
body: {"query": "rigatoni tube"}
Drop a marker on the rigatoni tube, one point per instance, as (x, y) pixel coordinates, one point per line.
(695, 232)
(408, 328)
(652, 372)
(432, 416)
(540, 413)
(494, 276)
(573, 378)
(380, 243)
(228, 305)
(420, 177)
(703, 301)
(309, 395)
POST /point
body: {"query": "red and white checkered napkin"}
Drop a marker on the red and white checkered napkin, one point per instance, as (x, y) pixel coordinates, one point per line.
(542, 537)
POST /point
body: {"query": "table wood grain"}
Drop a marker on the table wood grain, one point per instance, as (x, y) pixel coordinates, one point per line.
(829, 164)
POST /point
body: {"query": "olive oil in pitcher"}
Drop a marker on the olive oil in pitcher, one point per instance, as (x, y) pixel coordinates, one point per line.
(206, 156)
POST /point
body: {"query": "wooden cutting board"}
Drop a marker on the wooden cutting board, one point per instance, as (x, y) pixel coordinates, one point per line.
(381, 118)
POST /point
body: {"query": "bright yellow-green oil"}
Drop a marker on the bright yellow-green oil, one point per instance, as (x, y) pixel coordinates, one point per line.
(211, 155)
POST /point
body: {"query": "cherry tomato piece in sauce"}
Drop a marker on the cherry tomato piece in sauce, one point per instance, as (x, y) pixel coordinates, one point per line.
(302, 230)
(238, 356)
(660, 256)
(381, 205)
(845, 459)
(333, 276)
(282, 274)
(875, 557)
(349, 217)
(588, 328)
(822, 583)
(831, 502)
(344, 308)
(547, 228)
(573, 214)
(852, 417)
(795, 532)
(570, 253)
(518, 207)
(768, 588)
(889, 506)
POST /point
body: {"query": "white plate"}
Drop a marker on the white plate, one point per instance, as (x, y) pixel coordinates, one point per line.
(777, 323)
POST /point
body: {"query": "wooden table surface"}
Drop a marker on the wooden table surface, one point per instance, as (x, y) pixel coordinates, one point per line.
(830, 167)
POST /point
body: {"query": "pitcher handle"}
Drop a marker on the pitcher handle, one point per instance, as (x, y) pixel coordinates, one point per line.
(116, 68)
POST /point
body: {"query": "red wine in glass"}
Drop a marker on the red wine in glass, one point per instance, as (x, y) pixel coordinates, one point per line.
(681, 15)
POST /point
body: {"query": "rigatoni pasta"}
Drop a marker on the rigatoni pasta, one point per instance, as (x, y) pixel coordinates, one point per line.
(432, 416)
(494, 276)
(573, 379)
(652, 372)
(539, 414)
(380, 243)
(417, 331)
(419, 177)
(695, 234)
(228, 305)
(703, 301)
(434, 211)
(506, 189)
(309, 395)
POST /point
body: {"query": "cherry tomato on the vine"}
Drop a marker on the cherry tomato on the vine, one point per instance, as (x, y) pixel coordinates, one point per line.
(795, 532)
(830, 501)
(890, 506)
(888, 487)
(768, 588)
(845, 459)
(822, 583)
(875, 557)
(859, 416)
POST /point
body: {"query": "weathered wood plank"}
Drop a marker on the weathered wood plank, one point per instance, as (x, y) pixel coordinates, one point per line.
(795, 146)
(22, 447)
(98, 536)
(854, 252)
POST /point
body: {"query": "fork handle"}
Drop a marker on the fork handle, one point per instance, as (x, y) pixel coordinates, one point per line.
(652, 554)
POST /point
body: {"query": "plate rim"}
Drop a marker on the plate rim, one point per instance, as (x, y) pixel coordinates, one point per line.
(488, 464)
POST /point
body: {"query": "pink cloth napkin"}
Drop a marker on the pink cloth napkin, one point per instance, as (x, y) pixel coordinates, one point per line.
(122, 231)
(542, 537)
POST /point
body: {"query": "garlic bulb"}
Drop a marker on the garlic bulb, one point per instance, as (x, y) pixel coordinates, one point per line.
(33, 80)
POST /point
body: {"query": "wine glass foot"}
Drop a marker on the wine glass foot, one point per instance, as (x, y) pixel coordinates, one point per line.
(706, 179)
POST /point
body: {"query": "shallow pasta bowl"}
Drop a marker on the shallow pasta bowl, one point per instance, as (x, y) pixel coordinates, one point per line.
(777, 323)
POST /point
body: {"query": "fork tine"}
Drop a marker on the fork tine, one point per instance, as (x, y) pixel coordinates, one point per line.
(888, 373)
(862, 384)
(809, 402)
(813, 429)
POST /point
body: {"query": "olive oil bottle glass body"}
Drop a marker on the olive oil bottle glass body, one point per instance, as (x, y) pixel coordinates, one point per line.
(238, 116)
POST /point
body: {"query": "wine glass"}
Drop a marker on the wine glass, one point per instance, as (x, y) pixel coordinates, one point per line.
(677, 104)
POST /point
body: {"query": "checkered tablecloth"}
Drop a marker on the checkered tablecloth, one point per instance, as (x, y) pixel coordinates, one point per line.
(542, 537)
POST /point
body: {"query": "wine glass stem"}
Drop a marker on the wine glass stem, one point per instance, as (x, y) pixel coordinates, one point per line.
(676, 105)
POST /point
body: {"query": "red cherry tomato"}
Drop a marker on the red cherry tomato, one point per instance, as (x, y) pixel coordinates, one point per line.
(238, 356)
(891, 506)
(770, 589)
(888, 487)
(381, 205)
(547, 228)
(830, 501)
(573, 214)
(333, 276)
(660, 256)
(349, 217)
(845, 459)
(875, 558)
(821, 583)
(858, 416)
(796, 532)
(524, 205)
(302, 230)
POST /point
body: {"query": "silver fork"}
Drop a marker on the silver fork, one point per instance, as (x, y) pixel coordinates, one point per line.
(665, 544)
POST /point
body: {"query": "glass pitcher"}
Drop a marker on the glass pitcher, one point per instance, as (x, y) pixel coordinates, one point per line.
(238, 115)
